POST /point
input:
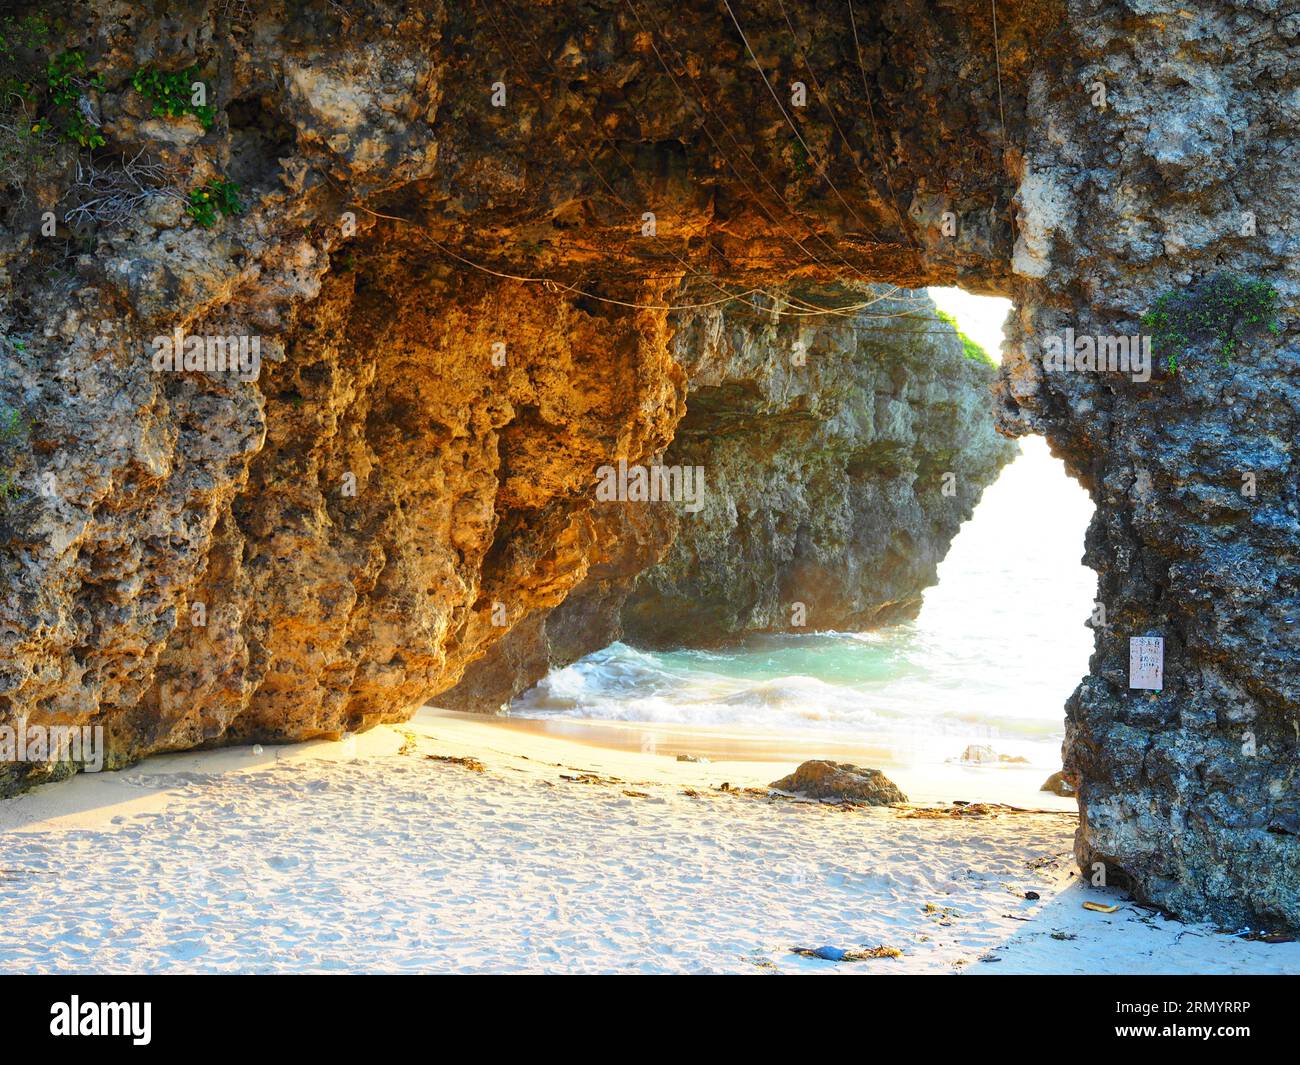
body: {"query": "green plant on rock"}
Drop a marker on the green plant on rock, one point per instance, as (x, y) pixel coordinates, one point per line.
(22, 40)
(24, 151)
(33, 30)
(42, 95)
(13, 426)
(13, 434)
(66, 80)
(28, 33)
(27, 142)
(800, 155)
(171, 94)
(970, 349)
(216, 197)
(1221, 311)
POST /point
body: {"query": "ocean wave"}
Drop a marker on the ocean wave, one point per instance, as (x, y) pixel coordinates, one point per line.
(995, 651)
(719, 689)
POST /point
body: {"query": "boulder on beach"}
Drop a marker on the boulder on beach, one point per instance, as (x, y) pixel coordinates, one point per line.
(982, 754)
(841, 782)
(1059, 784)
(978, 754)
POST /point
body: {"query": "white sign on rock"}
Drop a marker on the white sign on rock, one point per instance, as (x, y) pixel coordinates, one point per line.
(1146, 662)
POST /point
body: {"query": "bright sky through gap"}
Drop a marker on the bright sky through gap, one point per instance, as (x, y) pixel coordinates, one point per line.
(979, 317)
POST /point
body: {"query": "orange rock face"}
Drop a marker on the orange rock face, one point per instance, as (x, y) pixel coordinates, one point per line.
(420, 489)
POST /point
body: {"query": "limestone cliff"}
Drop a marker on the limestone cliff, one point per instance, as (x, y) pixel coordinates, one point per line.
(458, 232)
(842, 459)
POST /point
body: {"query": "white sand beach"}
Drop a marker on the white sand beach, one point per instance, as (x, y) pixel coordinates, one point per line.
(557, 855)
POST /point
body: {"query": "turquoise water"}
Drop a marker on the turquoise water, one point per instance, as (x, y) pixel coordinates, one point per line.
(998, 646)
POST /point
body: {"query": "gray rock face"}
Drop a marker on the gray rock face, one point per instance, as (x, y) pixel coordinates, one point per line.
(840, 782)
(840, 460)
(1188, 795)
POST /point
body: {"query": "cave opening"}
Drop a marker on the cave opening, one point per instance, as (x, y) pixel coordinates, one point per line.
(951, 678)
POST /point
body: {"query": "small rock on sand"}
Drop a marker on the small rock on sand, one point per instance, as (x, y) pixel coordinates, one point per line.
(1058, 784)
(840, 782)
(982, 754)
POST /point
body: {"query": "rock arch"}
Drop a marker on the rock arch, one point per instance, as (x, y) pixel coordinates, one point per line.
(933, 147)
